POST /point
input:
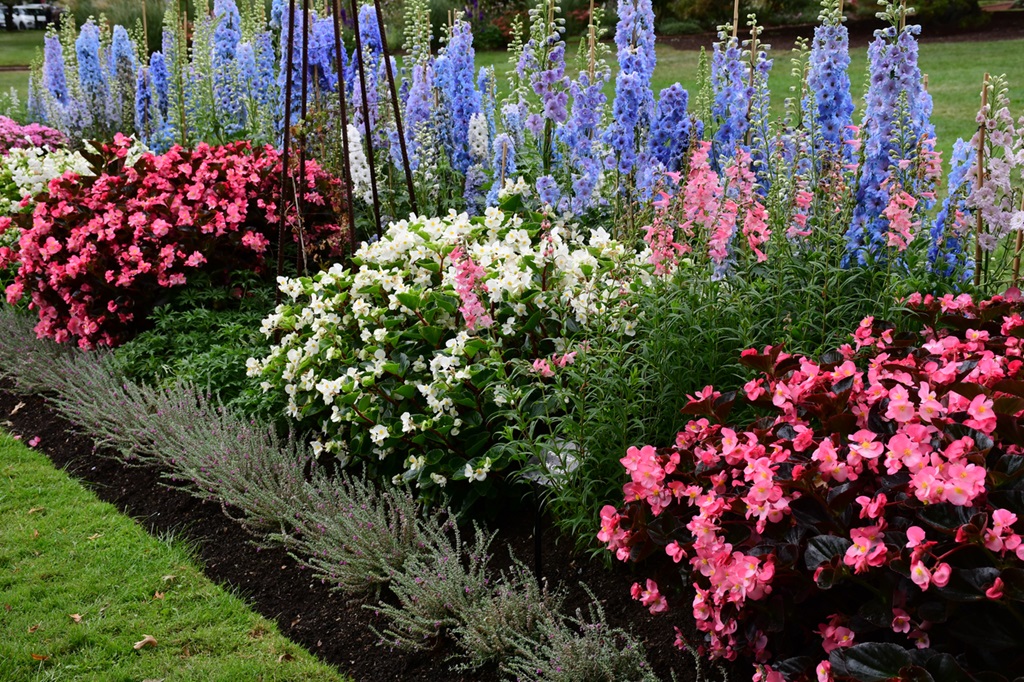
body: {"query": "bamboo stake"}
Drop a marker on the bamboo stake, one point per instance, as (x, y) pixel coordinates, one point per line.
(360, 62)
(924, 82)
(286, 146)
(841, 10)
(1016, 253)
(735, 18)
(346, 171)
(145, 29)
(394, 105)
(980, 184)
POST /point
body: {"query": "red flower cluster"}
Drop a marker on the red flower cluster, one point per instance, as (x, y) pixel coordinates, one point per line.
(13, 135)
(96, 251)
(882, 494)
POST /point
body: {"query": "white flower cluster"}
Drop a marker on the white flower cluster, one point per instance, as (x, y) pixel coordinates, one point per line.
(27, 172)
(358, 165)
(396, 318)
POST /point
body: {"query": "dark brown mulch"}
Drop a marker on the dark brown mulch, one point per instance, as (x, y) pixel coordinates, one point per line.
(329, 624)
(1001, 26)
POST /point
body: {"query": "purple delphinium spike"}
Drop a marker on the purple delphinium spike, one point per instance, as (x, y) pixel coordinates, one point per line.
(91, 75)
(894, 72)
(829, 82)
(946, 254)
(579, 134)
(455, 75)
(730, 82)
(634, 101)
(672, 127)
(504, 165)
(418, 109)
(54, 79)
(227, 96)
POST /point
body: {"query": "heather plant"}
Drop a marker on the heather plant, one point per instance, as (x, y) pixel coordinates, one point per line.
(580, 648)
(872, 508)
(96, 250)
(435, 589)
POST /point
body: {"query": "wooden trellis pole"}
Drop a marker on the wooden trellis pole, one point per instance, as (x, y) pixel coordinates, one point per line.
(303, 110)
(1020, 245)
(346, 171)
(366, 121)
(395, 107)
(980, 183)
(286, 146)
(735, 18)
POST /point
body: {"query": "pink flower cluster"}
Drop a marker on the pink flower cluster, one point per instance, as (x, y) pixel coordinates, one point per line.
(13, 135)
(546, 367)
(468, 277)
(707, 209)
(865, 448)
(95, 251)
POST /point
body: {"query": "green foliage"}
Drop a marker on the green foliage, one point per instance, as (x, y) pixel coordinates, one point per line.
(203, 335)
(626, 391)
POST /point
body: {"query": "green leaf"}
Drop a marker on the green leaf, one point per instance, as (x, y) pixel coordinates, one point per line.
(869, 662)
(944, 668)
(409, 300)
(431, 335)
(473, 346)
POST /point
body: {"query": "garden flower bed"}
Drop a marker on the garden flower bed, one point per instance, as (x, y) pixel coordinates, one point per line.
(368, 318)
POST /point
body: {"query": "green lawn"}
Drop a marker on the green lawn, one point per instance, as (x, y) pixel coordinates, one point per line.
(80, 584)
(19, 48)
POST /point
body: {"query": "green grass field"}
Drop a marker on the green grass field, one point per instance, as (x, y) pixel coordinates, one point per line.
(19, 48)
(80, 584)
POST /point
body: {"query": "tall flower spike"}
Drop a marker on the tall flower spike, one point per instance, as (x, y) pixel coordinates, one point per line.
(91, 75)
(829, 82)
(54, 79)
(730, 83)
(672, 128)
(227, 78)
(123, 74)
(633, 106)
(455, 72)
(894, 77)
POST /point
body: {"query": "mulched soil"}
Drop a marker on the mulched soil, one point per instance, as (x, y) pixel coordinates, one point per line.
(1001, 26)
(329, 624)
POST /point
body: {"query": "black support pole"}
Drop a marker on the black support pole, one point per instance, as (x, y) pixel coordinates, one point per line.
(396, 108)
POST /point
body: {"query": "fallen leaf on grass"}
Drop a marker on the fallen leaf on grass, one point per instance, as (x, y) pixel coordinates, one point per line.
(33, 510)
(17, 407)
(169, 578)
(35, 533)
(285, 657)
(34, 442)
(158, 595)
(77, 617)
(7, 607)
(39, 657)
(147, 640)
(32, 628)
(95, 536)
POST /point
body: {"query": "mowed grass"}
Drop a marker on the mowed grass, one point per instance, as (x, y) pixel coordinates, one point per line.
(80, 584)
(18, 48)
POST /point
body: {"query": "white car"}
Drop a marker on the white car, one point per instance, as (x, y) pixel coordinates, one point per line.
(29, 16)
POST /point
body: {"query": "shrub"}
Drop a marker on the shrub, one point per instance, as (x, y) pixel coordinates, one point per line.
(873, 508)
(402, 363)
(97, 251)
(13, 135)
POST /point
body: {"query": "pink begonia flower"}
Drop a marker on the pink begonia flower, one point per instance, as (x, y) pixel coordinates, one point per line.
(996, 591)
(871, 508)
(915, 536)
(900, 621)
(920, 574)
(675, 551)
(650, 597)
(864, 444)
(940, 574)
(34, 441)
(824, 671)
(835, 636)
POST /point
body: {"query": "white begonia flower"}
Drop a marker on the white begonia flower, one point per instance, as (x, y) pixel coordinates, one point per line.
(408, 424)
(480, 473)
(379, 433)
(439, 480)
